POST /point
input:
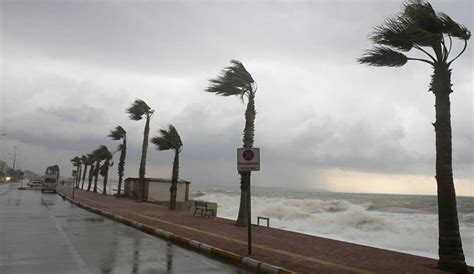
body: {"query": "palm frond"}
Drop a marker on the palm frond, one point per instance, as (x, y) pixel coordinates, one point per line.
(383, 57)
(168, 139)
(118, 133)
(76, 161)
(102, 153)
(450, 27)
(394, 33)
(84, 159)
(138, 109)
(234, 80)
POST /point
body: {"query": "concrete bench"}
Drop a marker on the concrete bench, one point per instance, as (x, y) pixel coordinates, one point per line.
(263, 218)
(203, 209)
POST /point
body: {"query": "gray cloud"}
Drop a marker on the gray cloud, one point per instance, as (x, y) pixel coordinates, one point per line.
(69, 70)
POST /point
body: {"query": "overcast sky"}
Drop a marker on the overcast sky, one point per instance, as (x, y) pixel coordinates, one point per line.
(69, 69)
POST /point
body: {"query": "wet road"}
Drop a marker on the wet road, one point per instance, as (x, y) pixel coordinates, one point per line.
(41, 233)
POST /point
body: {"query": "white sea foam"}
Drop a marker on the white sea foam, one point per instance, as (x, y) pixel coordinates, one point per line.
(410, 232)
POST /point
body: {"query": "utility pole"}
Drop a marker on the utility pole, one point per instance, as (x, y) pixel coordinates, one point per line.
(14, 158)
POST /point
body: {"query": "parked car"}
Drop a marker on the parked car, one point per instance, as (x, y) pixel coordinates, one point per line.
(49, 184)
(2, 180)
(35, 183)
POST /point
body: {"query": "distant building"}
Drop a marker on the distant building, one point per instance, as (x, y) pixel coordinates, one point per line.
(3, 168)
(157, 189)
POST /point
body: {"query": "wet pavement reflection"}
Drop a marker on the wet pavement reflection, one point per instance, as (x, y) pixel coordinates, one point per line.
(41, 233)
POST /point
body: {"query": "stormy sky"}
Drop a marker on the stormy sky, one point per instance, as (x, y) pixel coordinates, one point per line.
(69, 69)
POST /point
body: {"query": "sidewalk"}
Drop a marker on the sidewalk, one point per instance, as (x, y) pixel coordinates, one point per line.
(289, 250)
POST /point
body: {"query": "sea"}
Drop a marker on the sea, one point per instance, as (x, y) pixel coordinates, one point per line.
(404, 223)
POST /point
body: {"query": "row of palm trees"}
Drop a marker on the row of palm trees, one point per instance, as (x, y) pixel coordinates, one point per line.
(100, 160)
(418, 27)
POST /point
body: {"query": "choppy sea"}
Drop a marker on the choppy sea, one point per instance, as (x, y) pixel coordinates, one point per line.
(405, 223)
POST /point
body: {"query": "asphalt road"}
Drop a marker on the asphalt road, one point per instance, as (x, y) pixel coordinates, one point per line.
(41, 233)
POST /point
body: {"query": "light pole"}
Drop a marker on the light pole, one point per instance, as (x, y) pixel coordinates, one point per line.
(14, 157)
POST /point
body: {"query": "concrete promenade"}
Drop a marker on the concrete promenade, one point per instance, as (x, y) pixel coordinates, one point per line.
(289, 251)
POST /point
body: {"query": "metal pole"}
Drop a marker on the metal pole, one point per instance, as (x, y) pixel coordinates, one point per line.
(14, 160)
(249, 218)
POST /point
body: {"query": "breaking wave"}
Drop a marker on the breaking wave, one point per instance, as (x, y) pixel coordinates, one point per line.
(395, 228)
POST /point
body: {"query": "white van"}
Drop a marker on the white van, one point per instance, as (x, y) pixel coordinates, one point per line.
(49, 184)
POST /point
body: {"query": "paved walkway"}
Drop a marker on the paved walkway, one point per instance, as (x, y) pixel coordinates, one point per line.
(290, 250)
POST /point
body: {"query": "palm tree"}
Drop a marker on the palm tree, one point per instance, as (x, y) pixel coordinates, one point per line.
(170, 139)
(97, 159)
(76, 161)
(137, 111)
(104, 154)
(237, 81)
(92, 159)
(117, 134)
(85, 162)
(419, 27)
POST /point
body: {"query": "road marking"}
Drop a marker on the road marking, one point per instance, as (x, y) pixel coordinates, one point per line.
(297, 256)
(77, 258)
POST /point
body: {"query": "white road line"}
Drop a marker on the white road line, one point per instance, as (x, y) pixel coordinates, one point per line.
(77, 258)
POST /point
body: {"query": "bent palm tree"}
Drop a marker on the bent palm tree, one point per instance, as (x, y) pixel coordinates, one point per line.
(85, 162)
(170, 139)
(237, 81)
(137, 111)
(117, 134)
(91, 170)
(95, 174)
(104, 154)
(76, 161)
(420, 27)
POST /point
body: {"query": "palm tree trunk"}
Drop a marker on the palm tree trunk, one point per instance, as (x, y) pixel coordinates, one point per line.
(174, 181)
(96, 175)
(78, 176)
(91, 175)
(451, 255)
(141, 173)
(248, 139)
(84, 176)
(121, 166)
(106, 175)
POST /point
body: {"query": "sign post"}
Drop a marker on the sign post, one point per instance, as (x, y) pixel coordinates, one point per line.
(248, 160)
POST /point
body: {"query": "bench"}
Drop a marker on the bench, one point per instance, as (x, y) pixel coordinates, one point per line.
(263, 218)
(203, 209)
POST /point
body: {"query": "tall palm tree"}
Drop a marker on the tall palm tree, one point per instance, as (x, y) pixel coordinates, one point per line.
(170, 139)
(137, 111)
(237, 81)
(104, 154)
(92, 160)
(419, 27)
(76, 161)
(85, 162)
(120, 134)
(97, 160)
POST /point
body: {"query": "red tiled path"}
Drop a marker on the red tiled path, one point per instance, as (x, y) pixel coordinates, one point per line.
(290, 250)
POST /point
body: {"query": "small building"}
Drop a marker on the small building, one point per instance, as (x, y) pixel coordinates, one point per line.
(157, 189)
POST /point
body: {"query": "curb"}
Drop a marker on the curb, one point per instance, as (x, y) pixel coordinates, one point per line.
(258, 266)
